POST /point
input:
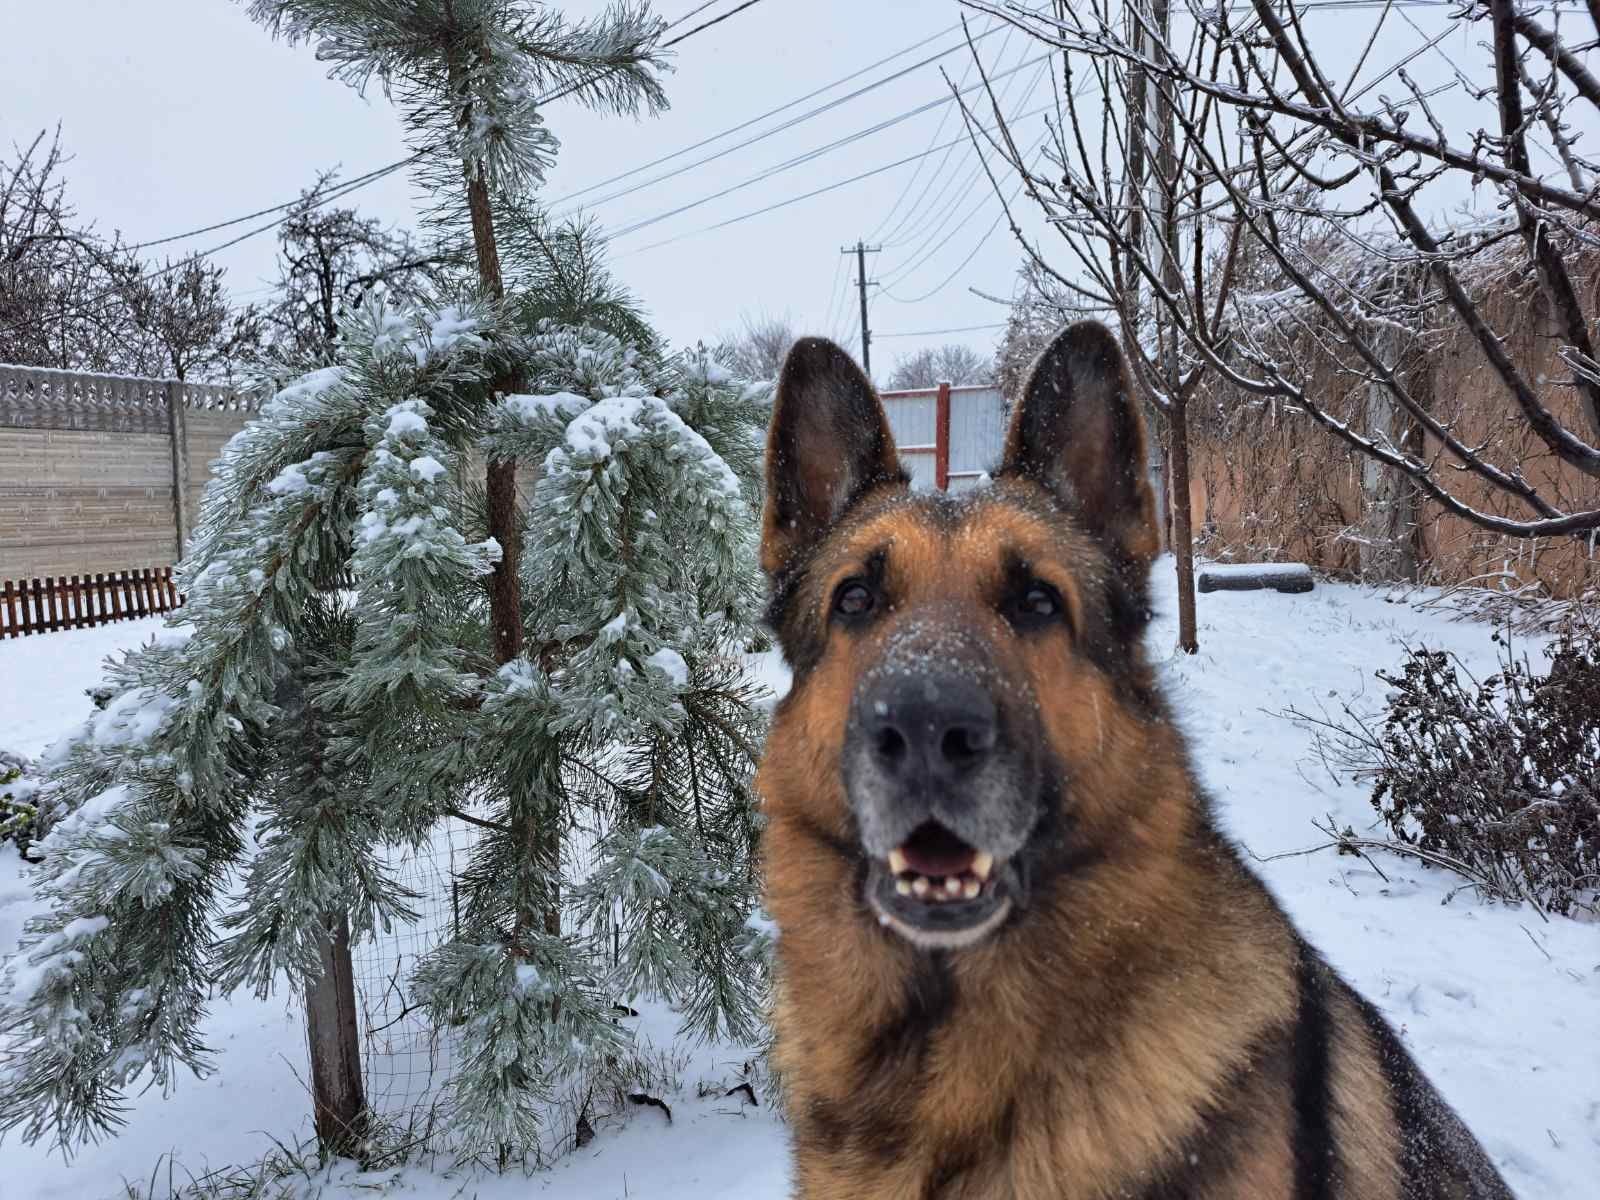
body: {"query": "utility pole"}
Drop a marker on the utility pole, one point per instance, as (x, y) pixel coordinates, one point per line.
(860, 250)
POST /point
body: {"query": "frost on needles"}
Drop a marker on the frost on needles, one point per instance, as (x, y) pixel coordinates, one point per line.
(329, 694)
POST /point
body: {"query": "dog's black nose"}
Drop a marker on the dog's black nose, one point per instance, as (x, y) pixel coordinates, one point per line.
(938, 726)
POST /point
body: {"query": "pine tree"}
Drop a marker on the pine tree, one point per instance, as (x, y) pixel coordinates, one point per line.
(339, 687)
(366, 653)
(470, 76)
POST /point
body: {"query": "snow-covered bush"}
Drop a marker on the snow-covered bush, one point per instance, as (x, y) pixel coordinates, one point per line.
(1500, 778)
(19, 813)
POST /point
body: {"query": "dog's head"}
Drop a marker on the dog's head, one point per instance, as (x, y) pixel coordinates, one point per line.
(967, 668)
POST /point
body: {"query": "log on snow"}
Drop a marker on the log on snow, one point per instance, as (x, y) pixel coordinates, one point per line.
(1249, 577)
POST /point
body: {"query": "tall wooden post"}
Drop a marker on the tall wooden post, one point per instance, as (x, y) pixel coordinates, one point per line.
(178, 435)
(861, 250)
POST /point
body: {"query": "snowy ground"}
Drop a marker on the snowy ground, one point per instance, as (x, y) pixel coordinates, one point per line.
(1501, 1008)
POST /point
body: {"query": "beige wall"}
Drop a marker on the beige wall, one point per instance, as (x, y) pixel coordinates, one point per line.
(73, 501)
(208, 432)
(99, 497)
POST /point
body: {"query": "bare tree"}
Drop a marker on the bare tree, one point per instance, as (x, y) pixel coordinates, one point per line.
(75, 300)
(758, 349)
(1122, 181)
(1328, 195)
(329, 258)
(60, 299)
(1038, 308)
(931, 366)
(183, 322)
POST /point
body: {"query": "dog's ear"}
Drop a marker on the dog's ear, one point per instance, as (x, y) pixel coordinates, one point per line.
(1078, 432)
(829, 442)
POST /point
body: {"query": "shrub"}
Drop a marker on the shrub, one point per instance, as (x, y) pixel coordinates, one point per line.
(18, 816)
(1499, 779)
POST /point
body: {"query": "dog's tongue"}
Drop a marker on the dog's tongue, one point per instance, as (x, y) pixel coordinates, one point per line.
(933, 850)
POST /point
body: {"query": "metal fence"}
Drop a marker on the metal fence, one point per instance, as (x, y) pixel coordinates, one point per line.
(947, 437)
(407, 1062)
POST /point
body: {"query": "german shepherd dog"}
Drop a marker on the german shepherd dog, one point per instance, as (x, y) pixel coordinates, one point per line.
(1016, 957)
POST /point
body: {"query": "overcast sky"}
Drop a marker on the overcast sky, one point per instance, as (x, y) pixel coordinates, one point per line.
(180, 113)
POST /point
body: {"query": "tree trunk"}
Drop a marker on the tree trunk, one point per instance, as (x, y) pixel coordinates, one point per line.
(505, 596)
(1183, 523)
(339, 1103)
(178, 436)
(1387, 549)
(1164, 500)
(505, 592)
(1178, 415)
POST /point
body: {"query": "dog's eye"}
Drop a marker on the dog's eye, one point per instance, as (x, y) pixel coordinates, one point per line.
(853, 599)
(1034, 605)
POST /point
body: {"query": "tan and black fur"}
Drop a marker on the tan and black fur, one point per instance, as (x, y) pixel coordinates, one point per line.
(1125, 1012)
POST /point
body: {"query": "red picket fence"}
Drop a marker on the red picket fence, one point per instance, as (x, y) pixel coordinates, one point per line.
(78, 602)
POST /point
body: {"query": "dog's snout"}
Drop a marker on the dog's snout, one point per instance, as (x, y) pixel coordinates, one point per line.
(943, 727)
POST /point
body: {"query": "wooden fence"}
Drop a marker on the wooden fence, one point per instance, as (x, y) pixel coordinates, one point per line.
(78, 602)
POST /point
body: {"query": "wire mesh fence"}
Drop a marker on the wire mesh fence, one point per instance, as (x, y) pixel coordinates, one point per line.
(407, 1061)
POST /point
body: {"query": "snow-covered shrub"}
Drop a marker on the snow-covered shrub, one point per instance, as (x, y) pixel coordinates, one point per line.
(1500, 778)
(18, 812)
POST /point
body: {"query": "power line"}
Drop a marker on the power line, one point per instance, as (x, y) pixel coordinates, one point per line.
(989, 233)
(829, 320)
(910, 158)
(693, 12)
(809, 155)
(380, 172)
(961, 266)
(915, 220)
(934, 242)
(655, 162)
(358, 181)
(942, 332)
(938, 219)
(334, 193)
(714, 21)
(789, 124)
(837, 329)
(982, 242)
(938, 132)
(909, 225)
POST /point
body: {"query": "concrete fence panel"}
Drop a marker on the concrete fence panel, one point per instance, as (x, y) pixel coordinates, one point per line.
(104, 473)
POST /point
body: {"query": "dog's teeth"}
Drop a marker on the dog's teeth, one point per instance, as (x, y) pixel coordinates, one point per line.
(952, 886)
(982, 864)
(919, 886)
(903, 886)
(897, 863)
(971, 888)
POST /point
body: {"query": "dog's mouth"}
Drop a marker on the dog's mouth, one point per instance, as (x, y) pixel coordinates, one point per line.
(939, 892)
